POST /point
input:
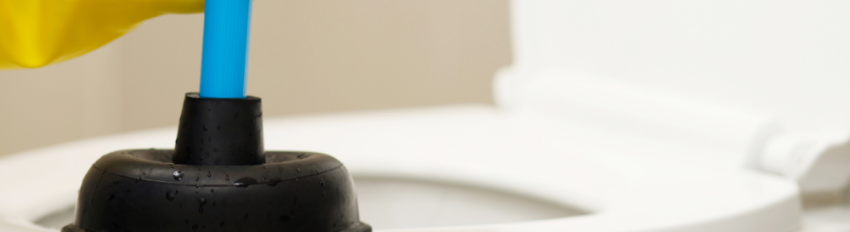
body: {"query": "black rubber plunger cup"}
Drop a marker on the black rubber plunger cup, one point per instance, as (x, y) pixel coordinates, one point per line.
(218, 178)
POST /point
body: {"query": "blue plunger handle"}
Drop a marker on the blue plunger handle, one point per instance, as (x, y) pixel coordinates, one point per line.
(225, 56)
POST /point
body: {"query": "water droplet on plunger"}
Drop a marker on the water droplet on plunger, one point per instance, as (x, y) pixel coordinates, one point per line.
(178, 175)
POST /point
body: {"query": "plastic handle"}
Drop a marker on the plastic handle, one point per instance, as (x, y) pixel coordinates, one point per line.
(225, 55)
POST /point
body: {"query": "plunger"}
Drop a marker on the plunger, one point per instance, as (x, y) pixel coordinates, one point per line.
(218, 177)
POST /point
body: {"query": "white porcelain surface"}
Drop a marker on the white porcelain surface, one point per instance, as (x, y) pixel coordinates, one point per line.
(626, 183)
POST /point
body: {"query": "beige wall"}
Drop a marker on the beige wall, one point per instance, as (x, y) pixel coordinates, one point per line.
(306, 57)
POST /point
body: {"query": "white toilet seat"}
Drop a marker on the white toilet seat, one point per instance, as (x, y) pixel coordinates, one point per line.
(629, 184)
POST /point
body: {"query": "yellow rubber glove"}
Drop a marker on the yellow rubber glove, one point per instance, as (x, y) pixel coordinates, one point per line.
(35, 33)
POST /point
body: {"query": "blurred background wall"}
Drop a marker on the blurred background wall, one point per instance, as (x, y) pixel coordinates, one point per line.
(307, 57)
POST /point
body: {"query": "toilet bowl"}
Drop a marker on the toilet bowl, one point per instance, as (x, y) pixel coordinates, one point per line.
(616, 180)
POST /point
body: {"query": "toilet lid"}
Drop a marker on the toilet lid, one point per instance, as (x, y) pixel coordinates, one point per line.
(626, 183)
(786, 58)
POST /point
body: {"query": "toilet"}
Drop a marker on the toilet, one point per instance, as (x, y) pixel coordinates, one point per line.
(624, 116)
